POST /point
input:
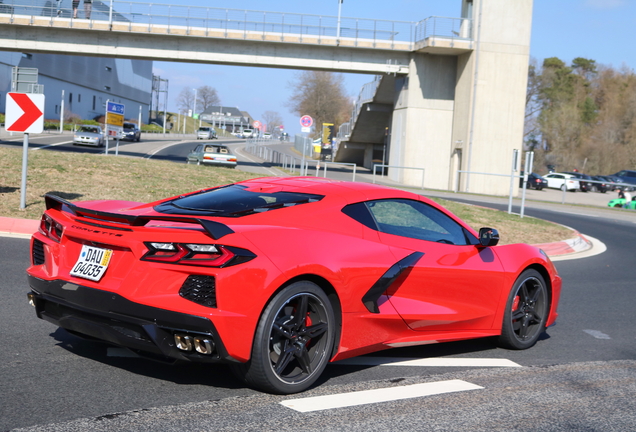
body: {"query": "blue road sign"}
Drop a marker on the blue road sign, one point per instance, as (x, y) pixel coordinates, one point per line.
(115, 108)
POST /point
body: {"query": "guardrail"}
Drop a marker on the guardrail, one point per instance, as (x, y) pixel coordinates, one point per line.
(270, 26)
(399, 167)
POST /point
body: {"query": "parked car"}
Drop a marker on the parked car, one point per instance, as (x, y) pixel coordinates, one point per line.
(216, 275)
(212, 154)
(248, 133)
(584, 184)
(599, 184)
(132, 132)
(267, 135)
(89, 135)
(206, 133)
(535, 181)
(562, 181)
(628, 177)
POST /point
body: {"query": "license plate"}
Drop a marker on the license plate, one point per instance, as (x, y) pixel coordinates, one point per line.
(92, 263)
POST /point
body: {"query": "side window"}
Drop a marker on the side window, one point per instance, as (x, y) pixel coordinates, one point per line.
(199, 148)
(415, 219)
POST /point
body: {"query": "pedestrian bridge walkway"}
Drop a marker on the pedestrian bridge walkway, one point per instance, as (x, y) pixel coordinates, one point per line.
(432, 34)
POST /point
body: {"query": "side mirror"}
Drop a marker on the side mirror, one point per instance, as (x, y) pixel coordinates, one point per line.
(488, 236)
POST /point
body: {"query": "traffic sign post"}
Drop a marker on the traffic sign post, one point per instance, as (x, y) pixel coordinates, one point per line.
(24, 113)
(305, 123)
(114, 123)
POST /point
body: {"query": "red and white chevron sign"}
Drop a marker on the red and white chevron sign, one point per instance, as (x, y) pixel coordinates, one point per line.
(24, 112)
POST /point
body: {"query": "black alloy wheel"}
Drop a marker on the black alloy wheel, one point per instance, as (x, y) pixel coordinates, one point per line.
(293, 342)
(526, 311)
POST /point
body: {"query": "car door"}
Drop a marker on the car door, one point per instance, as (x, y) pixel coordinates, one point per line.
(555, 180)
(455, 285)
(196, 154)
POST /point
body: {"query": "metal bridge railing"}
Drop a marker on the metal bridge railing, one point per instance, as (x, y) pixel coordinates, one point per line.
(246, 24)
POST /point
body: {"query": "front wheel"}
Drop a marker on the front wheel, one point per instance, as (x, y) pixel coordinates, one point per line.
(293, 341)
(526, 311)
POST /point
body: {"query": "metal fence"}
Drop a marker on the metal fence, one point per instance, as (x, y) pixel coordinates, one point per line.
(247, 23)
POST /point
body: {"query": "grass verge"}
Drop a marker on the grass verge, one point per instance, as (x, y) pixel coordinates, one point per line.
(80, 176)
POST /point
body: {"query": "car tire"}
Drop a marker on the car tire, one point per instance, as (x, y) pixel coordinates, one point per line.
(293, 341)
(198, 162)
(526, 311)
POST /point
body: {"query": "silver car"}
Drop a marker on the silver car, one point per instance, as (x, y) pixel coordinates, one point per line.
(89, 135)
(212, 154)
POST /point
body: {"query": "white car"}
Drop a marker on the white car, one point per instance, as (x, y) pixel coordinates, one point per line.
(248, 133)
(562, 181)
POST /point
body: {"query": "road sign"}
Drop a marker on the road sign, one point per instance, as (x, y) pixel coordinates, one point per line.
(115, 108)
(256, 124)
(113, 119)
(306, 121)
(24, 112)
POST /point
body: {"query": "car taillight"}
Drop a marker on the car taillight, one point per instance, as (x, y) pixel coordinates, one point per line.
(207, 255)
(50, 228)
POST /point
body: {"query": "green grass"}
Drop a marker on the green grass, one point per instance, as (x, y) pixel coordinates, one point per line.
(80, 176)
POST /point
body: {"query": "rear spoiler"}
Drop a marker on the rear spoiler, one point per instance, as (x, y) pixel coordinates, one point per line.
(216, 230)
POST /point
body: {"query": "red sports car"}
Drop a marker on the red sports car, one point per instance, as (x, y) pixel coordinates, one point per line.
(279, 276)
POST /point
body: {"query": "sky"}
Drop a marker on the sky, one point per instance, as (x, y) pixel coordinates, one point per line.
(601, 30)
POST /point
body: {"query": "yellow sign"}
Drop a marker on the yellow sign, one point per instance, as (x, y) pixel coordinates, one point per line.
(114, 119)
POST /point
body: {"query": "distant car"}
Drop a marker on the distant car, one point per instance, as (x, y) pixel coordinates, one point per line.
(212, 154)
(626, 176)
(132, 132)
(248, 133)
(535, 181)
(284, 136)
(267, 135)
(599, 184)
(584, 184)
(562, 181)
(89, 135)
(205, 132)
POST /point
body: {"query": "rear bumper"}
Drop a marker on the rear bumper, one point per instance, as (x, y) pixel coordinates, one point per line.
(112, 318)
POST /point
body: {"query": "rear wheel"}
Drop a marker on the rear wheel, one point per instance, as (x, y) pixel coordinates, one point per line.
(293, 341)
(526, 311)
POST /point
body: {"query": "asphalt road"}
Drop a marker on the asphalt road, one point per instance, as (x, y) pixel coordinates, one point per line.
(580, 376)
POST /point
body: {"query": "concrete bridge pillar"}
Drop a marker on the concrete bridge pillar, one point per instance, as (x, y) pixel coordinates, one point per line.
(466, 110)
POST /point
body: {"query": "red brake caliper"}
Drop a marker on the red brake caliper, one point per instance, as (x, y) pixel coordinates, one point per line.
(515, 303)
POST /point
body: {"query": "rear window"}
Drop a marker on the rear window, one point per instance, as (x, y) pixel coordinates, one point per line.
(204, 129)
(234, 201)
(216, 149)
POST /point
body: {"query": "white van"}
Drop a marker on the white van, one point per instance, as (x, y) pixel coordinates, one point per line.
(206, 133)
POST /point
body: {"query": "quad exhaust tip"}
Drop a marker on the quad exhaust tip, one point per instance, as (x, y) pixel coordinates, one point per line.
(202, 345)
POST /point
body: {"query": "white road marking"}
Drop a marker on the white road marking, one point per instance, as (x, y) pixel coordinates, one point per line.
(429, 362)
(52, 145)
(320, 403)
(597, 334)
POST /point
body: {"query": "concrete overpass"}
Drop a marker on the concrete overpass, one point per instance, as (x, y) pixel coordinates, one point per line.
(455, 90)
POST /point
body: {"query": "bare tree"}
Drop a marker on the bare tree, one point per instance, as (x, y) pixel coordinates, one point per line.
(320, 95)
(207, 97)
(185, 100)
(272, 120)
